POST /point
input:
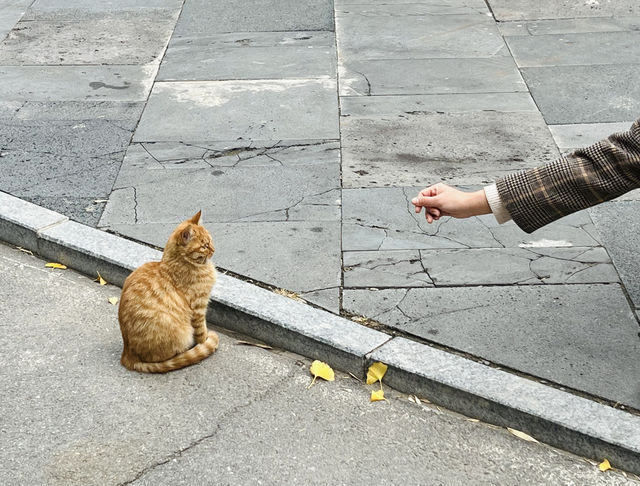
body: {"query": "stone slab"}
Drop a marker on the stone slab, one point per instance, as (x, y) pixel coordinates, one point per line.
(9, 16)
(250, 55)
(460, 148)
(401, 268)
(585, 94)
(164, 182)
(122, 114)
(89, 9)
(619, 226)
(20, 221)
(571, 137)
(76, 83)
(133, 39)
(585, 427)
(450, 103)
(575, 49)
(427, 76)
(553, 332)
(202, 17)
(248, 110)
(384, 219)
(552, 9)
(569, 26)
(408, 32)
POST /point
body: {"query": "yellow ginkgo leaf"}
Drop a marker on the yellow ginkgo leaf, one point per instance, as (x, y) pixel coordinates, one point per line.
(100, 279)
(56, 265)
(521, 435)
(322, 370)
(376, 372)
(113, 300)
(604, 465)
(377, 396)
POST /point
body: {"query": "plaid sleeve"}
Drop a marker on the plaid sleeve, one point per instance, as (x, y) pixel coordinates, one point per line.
(586, 177)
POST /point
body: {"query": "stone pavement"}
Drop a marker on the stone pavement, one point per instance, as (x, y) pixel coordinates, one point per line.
(303, 129)
(71, 415)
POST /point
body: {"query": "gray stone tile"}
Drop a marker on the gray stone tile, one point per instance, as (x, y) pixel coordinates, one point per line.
(384, 219)
(205, 17)
(576, 49)
(570, 137)
(428, 7)
(384, 269)
(425, 76)
(299, 182)
(88, 9)
(76, 83)
(250, 55)
(85, 210)
(585, 94)
(569, 26)
(298, 256)
(9, 16)
(450, 103)
(518, 266)
(249, 110)
(408, 32)
(554, 332)
(328, 299)
(135, 39)
(552, 9)
(619, 226)
(123, 114)
(425, 148)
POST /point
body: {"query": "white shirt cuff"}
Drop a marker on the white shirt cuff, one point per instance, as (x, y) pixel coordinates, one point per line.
(495, 203)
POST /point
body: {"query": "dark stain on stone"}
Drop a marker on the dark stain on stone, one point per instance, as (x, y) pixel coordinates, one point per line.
(98, 85)
(411, 158)
(361, 172)
(316, 229)
(217, 172)
(433, 332)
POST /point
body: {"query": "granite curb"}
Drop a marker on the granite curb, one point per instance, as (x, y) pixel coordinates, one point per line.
(551, 415)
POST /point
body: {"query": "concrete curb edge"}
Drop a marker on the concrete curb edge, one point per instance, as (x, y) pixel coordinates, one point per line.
(553, 416)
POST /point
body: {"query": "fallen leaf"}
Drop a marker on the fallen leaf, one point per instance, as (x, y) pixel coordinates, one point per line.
(472, 420)
(258, 345)
(24, 250)
(377, 396)
(56, 265)
(522, 435)
(113, 300)
(376, 372)
(322, 370)
(100, 279)
(604, 465)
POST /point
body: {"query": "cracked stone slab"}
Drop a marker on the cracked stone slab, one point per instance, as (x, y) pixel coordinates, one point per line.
(76, 83)
(553, 332)
(248, 110)
(518, 266)
(202, 17)
(300, 256)
(121, 114)
(402, 268)
(385, 219)
(9, 16)
(619, 226)
(396, 105)
(576, 49)
(410, 32)
(425, 147)
(585, 94)
(250, 55)
(569, 26)
(552, 9)
(425, 76)
(130, 39)
(279, 181)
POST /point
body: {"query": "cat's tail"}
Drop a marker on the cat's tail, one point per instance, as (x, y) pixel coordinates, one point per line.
(192, 356)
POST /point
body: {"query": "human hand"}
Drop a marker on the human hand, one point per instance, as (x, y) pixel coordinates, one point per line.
(442, 200)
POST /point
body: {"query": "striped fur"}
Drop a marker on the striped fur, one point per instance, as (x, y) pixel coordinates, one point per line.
(163, 304)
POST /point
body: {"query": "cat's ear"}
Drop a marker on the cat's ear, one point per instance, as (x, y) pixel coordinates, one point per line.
(185, 236)
(197, 218)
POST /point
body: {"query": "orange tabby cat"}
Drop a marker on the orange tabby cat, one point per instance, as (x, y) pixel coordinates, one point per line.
(163, 304)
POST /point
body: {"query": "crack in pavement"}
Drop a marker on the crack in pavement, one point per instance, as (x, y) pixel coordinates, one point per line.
(223, 419)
